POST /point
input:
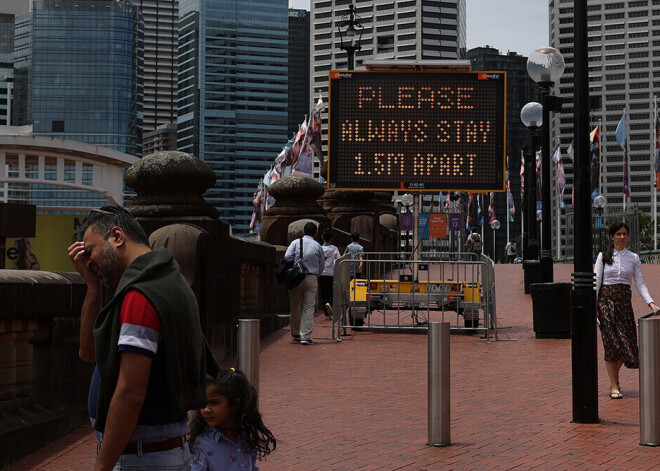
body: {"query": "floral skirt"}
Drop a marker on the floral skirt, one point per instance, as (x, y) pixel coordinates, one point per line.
(617, 325)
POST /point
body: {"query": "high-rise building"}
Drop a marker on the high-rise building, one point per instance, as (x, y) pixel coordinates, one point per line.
(299, 101)
(520, 91)
(161, 30)
(623, 74)
(78, 76)
(401, 29)
(6, 67)
(161, 139)
(8, 11)
(233, 95)
(79, 72)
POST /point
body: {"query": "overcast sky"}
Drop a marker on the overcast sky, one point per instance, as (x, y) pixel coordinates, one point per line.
(508, 25)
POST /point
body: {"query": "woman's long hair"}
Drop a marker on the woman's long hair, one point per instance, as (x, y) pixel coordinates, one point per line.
(609, 251)
(234, 385)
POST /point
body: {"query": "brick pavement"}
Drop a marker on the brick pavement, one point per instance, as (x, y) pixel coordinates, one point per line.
(361, 404)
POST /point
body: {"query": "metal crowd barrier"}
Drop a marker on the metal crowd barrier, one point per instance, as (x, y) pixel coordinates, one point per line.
(396, 294)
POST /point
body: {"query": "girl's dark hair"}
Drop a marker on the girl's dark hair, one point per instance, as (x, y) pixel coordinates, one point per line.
(234, 385)
(609, 251)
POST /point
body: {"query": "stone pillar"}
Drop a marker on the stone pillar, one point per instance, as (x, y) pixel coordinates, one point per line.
(295, 198)
(170, 188)
(382, 202)
(349, 205)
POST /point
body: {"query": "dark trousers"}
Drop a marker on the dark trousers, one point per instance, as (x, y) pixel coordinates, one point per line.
(325, 285)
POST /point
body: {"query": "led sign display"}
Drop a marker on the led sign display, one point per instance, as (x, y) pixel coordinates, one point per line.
(426, 131)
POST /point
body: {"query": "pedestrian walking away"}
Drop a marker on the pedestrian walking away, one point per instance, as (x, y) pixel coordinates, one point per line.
(229, 433)
(357, 255)
(474, 243)
(331, 253)
(511, 251)
(151, 356)
(302, 298)
(616, 268)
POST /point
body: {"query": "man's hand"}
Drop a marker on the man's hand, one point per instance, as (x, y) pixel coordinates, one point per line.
(656, 309)
(80, 260)
(92, 303)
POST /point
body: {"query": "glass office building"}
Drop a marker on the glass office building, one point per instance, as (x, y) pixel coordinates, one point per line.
(79, 72)
(78, 76)
(299, 101)
(233, 93)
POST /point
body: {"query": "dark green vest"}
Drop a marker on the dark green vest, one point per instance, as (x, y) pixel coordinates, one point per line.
(187, 354)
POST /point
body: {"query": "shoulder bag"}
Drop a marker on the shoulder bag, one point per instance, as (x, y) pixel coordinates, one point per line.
(296, 274)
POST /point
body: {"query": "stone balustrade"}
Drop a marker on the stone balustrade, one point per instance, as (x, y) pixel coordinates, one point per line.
(43, 382)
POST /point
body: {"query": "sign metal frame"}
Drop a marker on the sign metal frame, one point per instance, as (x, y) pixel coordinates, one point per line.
(449, 127)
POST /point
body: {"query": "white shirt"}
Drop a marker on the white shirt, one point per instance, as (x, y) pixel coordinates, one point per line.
(312, 255)
(331, 254)
(511, 248)
(625, 266)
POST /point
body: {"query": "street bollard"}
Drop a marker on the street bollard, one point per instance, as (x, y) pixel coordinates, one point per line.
(649, 380)
(249, 346)
(438, 394)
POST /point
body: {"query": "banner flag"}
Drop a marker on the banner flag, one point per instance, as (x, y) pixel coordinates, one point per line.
(594, 151)
(538, 175)
(561, 184)
(622, 139)
(556, 156)
(656, 159)
(511, 210)
(522, 175)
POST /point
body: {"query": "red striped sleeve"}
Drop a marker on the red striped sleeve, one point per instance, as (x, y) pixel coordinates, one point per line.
(137, 310)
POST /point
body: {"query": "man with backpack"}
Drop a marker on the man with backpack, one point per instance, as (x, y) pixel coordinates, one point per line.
(474, 243)
(511, 251)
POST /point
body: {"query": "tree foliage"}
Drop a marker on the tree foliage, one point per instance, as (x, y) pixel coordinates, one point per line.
(645, 231)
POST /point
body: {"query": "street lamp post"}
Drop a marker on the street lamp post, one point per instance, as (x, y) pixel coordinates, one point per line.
(599, 204)
(495, 225)
(532, 116)
(349, 27)
(583, 300)
(545, 66)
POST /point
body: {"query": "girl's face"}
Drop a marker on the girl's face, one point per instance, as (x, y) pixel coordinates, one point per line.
(219, 412)
(620, 238)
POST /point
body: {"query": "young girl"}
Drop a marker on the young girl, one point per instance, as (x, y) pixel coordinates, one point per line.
(229, 434)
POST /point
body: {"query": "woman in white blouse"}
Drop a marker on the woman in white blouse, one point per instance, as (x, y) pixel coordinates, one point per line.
(615, 313)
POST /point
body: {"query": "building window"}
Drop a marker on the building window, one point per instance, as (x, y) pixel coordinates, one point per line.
(385, 44)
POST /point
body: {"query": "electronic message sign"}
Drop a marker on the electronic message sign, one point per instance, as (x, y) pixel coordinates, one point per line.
(417, 130)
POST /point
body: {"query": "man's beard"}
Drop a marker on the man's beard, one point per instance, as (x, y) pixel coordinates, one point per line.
(109, 266)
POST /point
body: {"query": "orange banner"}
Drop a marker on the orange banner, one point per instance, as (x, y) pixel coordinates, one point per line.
(437, 226)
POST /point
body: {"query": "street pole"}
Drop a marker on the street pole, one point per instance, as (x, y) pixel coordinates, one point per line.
(530, 196)
(546, 237)
(525, 210)
(583, 299)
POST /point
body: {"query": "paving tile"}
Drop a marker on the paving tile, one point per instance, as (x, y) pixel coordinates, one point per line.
(362, 404)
